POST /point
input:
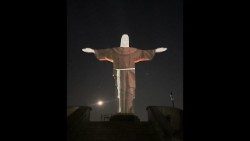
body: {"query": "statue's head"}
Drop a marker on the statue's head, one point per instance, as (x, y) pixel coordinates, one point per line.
(124, 41)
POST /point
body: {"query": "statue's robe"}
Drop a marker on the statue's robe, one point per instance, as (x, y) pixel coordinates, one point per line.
(124, 59)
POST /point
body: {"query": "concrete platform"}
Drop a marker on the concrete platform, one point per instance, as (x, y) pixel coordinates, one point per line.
(122, 117)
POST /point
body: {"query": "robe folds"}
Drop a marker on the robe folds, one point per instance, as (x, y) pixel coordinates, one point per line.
(124, 59)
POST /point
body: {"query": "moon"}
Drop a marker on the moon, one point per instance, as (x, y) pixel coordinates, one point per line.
(100, 103)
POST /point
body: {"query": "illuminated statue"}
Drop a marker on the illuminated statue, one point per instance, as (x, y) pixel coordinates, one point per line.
(124, 59)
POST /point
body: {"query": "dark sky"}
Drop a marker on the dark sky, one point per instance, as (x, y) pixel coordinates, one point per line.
(100, 24)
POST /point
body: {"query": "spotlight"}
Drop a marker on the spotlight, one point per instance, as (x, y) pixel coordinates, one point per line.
(100, 103)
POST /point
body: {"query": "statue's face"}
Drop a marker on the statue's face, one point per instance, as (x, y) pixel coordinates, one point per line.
(124, 41)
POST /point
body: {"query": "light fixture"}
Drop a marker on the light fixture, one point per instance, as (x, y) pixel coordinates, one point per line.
(100, 103)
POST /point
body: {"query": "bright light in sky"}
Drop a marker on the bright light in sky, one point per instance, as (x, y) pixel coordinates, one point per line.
(99, 103)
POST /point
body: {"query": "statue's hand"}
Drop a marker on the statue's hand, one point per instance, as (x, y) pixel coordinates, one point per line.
(161, 49)
(88, 50)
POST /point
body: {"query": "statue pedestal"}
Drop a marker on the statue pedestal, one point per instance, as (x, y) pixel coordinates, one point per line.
(124, 117)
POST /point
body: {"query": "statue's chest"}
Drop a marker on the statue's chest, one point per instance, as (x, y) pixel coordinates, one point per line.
(124, 61)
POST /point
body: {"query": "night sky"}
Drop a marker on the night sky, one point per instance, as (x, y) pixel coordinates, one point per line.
(100, 24)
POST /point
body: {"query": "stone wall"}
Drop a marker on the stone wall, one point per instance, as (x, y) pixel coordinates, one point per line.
(168, 121)
(78, 114)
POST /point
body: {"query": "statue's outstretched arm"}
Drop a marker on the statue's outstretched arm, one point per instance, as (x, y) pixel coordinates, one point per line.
(161, 49)
(101, 54)
(88, 50)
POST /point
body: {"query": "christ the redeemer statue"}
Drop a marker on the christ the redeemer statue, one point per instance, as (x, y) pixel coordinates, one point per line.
(124, 59)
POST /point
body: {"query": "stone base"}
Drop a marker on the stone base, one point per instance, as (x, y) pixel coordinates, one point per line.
(124, 117)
